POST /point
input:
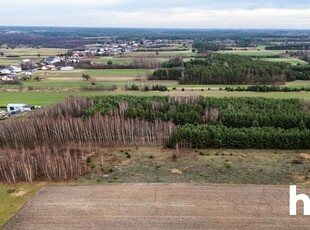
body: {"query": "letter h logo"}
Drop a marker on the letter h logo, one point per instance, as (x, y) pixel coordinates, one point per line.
(294, 198)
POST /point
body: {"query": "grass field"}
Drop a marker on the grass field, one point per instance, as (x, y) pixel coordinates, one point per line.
(156, 165)
(115, 61)
(50, 97)
(13, 197)
(298, 84)
(160, 54)
(73, 79)
(124, 61)
(293, 61)
(252, 53)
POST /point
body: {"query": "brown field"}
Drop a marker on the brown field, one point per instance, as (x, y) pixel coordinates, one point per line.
(153, 206)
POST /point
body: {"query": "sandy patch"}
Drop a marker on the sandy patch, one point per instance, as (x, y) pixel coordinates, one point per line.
(305, 156)
(176, 171)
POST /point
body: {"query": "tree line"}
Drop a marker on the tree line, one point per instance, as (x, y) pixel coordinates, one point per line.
(305, 46)
(209, 136)
(267, 88)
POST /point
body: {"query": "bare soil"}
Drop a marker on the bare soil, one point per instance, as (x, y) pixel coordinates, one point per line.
(165, 206)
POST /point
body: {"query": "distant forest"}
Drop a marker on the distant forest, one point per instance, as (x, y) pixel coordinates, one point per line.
(58, 37)
(230, 69)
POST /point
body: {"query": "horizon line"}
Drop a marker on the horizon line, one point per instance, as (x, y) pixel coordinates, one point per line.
(164, 28)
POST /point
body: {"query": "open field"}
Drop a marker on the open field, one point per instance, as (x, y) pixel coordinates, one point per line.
(115, 61)
(123, 61)
(50, 97)
(73, 79)
(160, 54)
(298, 84)
(27, 53)
(293, 61)
(252, 52)
(154, 206)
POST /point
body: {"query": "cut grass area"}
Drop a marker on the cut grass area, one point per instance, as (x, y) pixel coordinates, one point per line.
(251, 53)
(159, 165)
(293, 61)
(13, 197)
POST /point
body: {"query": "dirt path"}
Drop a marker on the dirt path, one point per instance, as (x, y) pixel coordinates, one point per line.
(154, 206)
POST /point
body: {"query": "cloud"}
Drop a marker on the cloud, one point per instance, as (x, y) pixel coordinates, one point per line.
(160, 13)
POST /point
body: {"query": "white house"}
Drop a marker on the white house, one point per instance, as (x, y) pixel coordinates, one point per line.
(67, 68)
(26, 61)
(52, 60)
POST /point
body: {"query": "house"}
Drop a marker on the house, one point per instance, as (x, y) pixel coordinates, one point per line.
(44, 68)
(67, 68)
(52, 60)
(74, 59)
(26, 61)
(9, 77)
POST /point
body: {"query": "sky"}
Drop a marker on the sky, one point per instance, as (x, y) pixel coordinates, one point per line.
(205, 14)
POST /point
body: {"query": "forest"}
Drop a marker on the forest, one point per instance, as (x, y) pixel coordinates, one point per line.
(112, 119)
(174, 122)
(228, 69)
(207, 46)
